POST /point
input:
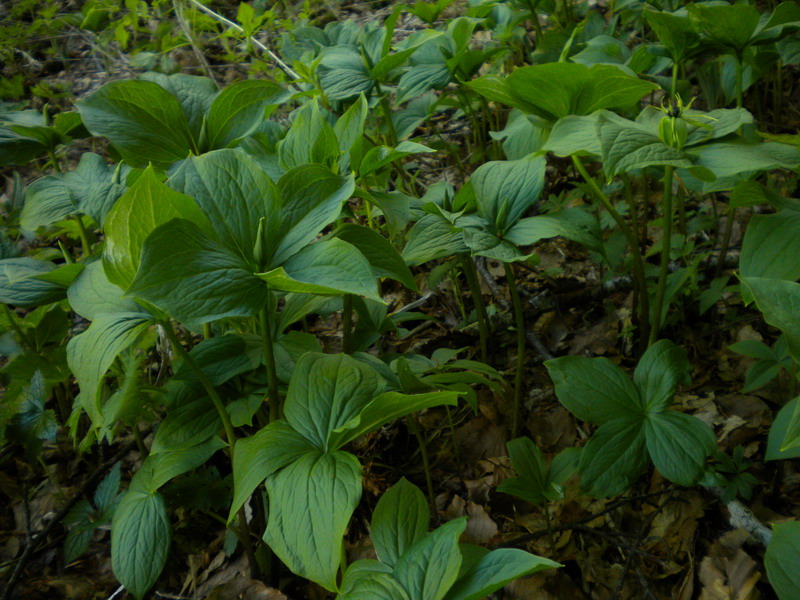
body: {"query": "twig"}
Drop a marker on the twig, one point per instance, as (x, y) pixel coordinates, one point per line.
(742, 517)
(529, 537)
(281, 65)
(32, 539)
(176, 4)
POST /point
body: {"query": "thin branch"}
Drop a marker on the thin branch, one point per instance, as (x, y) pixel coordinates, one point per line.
(281, 65)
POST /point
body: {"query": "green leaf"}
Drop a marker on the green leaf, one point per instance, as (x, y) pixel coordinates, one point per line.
(140, 540)
(782, 560)
(771, 245)
(311, 139)
(531, 482)
(327, 392)
(614, 457)
(731, 162)
(91, 189)
(430, 567)
(504, 190)
(239, 110)
(160, 468)
(194, 278)
(326, 267)
(187, 425)
(311, 502)
(387, 407)
(21, 286)
(433, 237)
(144, 122)
(780, 302)
(627, 145)
(91, 353)
(343, 74)
(679, 445)
(146, 205)
(257, 457)
(594, 389)
(662, 368)
(674, 31)
(779, 444)
(574, 135)
(495, 570)
(223, 357)
(380, 156)
(400, 520)
(47, 200)
(557, 90)
(92, 294)
(730, 25)
(370, 580)
(195, 95)
(312, 198)
(350, 126)
(234, 192)
(572, 223)
(381, 254)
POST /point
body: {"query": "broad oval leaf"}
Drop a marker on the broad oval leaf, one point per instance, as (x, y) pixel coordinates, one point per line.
(146, 205)
(662, 368)
(430, 567)
(400, 520)
(144, 122)
(311, 502)
(326, 392)
(381, 254)
(257, 457)
(21, 285)
(325, 267)
(140, 540)
(239, 109)
(782, 560)
(679, 445)
(194, 278)
(614, 457)
(504, 190)
(495, 570)
(92, 294)
(594, 389)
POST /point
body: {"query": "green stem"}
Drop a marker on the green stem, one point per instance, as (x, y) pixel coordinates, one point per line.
(53, 160)
(739, 84)
(204, 381)
(674, 77)
(347, 323)
(666, 247)
(633, 242)
(519, 320)
(411, 420)
(12, 319)
(269, 363)
(206, 331)
(477, 299)
(86, 246)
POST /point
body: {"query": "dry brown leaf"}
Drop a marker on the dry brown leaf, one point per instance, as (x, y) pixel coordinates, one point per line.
(244, 588)
(728, 572)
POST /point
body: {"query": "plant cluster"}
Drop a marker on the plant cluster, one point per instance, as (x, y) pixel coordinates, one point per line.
(170, 284)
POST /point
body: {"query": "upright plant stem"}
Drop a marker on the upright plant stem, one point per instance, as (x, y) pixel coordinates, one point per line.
(477, 299)
(633, 242)
(426, 463)
(229, 434)
(519, 321)
(203, 379)
(86, 246)
(269, 362)
(347, 323)
(666, 247)
(739, 84)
